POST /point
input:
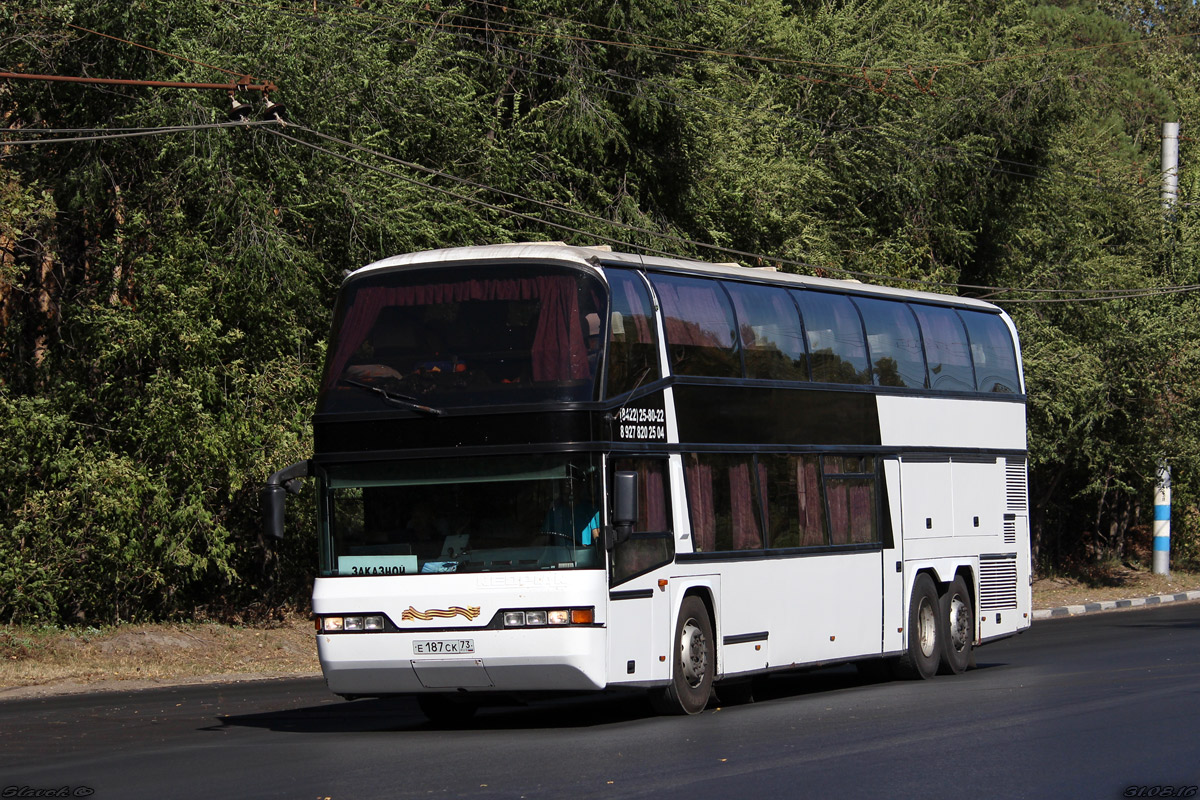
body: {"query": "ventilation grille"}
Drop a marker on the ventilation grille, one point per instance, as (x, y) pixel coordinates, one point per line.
(997, 584)
(1010, 530)
(1015, 487)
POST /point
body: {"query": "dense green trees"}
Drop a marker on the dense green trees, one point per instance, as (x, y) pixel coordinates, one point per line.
(164, 299)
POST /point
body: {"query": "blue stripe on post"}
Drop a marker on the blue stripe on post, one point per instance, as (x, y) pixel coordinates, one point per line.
(1162, 513)
(1162, 544)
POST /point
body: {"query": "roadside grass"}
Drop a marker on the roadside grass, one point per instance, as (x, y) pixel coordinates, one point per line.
(45, 659)
(1112, 580)
(146, 654)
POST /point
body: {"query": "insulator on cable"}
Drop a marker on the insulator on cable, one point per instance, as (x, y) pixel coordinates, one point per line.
(238, 111)
(272, 110)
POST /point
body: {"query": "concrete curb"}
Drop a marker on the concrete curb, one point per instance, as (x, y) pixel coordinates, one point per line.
(1113, 605)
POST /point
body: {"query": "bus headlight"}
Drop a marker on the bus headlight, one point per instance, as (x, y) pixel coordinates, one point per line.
(537, 617)
(355, 623)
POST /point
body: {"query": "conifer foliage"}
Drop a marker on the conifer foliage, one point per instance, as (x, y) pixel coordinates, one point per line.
(166, 279)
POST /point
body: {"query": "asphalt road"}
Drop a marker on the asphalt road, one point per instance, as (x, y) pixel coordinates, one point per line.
(1102, 706)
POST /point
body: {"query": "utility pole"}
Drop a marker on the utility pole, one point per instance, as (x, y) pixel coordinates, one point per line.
(1162, 490)
(1170, 164)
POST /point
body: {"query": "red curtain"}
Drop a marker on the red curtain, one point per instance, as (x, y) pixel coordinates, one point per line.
(808, 490)
(559, 351)
(700, 501)
(746, 533)
(655, 505)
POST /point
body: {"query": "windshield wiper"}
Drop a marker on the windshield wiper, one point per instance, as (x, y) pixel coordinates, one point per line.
(398, 400)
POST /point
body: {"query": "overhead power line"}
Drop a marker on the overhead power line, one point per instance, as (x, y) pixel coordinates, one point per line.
(52, 136)
(232, 86)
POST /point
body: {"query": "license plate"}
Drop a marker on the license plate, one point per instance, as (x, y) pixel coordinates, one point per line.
(443, 647)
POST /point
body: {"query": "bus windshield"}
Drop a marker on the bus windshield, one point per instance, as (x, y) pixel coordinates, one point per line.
(494, 514)
(428, 339)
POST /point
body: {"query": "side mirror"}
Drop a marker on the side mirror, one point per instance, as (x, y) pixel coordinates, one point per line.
(625, 504)
(272, 499)
(274, 494)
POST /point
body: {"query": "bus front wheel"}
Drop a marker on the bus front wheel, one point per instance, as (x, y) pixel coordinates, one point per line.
(693, 664)
(924, 653)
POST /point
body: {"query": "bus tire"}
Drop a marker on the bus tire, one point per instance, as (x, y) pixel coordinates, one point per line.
(958, 625)
(920, 661)
(693, 664)
(446, 710)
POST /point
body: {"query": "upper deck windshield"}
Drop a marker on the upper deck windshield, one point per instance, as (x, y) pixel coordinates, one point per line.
(447, 336)
(492, 514)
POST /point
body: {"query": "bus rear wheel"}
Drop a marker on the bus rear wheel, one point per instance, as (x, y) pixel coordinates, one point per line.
(693, 664)
(958, 620)
(924, 653)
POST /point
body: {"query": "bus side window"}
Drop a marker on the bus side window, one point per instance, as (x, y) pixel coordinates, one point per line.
(795, 511)
(894, 342)
(946, 349)
(837, 351)
(632, 349)
(652, 543)
(992, 352)
(699, 325)
(721, 499)
(769, 326)
(850, 493)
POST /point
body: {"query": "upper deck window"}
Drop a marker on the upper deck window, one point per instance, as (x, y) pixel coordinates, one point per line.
(992, 351)
(769, 327)
(632, 346)
(465, 336)
(946, 349)
(700, 327)
(837, 350)
(894, 341)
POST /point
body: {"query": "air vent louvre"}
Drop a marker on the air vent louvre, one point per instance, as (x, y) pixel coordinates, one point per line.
(997, 584)
(1015, 488)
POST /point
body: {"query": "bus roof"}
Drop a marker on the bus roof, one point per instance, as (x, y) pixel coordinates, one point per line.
(603, 256)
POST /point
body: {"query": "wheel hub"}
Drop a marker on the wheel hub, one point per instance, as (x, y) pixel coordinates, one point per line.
(694, 655)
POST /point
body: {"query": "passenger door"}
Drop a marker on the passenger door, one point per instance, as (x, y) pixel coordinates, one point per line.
(638, 608)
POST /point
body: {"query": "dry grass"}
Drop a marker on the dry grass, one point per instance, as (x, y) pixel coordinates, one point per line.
(134, 656)
(1110, 582)
(39, 660)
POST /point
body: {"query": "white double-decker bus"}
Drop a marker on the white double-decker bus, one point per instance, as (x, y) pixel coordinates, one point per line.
(549, 468)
